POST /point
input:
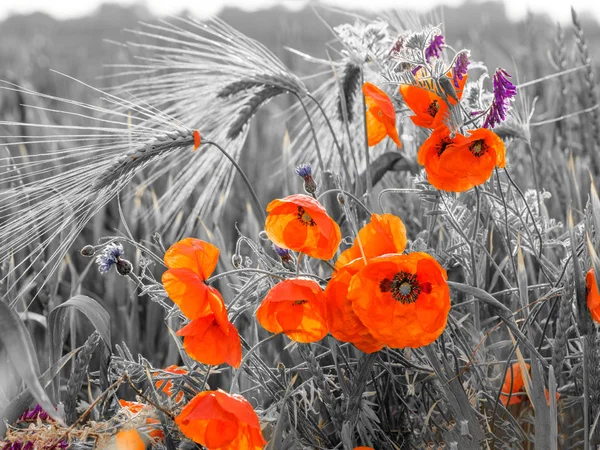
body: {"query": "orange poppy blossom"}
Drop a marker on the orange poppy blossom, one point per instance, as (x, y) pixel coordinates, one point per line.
(300, 223)
(403, 300)
(430, 109)
(212, 339)
(166, 385)
(592, 295)
(458, 163)
(129, 440)
(218, 420)
(344, 324)
(380, 116)
(385, 233)
(514, 376)
(190, 262)
(296, 307)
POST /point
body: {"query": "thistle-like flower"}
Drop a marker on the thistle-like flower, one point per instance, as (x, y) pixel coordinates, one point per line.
(504, 91)
(110, 256)
(305, 171)
(461, 65)
(434, 49)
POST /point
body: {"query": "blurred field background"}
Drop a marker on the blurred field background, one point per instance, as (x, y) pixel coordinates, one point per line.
(30, 45)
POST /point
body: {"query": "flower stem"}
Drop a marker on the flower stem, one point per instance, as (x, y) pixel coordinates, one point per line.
(367, 155)
(259, 209)
(314, 133)
(250, 352)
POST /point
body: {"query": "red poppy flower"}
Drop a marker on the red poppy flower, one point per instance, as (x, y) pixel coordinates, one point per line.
(343, 322)
(218, 420)
(384, 234)
(300, 223)
(403, 300)
(166, 385)
(153, 425)
(381, 116)
(295, 307)
(459, 163)
(212, 340)
(430, 109)
(133, 407)
(514, 378)
(592, 295)
(190, 263)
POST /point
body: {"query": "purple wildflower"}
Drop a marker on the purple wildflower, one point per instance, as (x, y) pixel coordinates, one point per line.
(305, 171)
(31, 415)
(460, 68)
(415, 70)
(434, 49)
(109, 257)
(28, 446)
(286, 257)
(504, 91)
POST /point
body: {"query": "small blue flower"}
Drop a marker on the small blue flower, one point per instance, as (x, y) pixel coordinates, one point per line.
(282, 252)
(304, 170)
(434, 49)
(109, 257)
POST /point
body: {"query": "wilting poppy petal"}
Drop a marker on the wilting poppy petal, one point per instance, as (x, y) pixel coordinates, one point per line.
(300, 223)
(402, 292)
(295, 307)
(343, 322)
(205, 340)
(133, 407)
(167, 385)
(218, 420)
(384, 234)
(194, 254)
(592, 295)
(187, 291)
(380, 117)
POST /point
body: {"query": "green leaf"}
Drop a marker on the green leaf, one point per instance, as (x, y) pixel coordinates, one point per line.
(19, 347)
(93, 310)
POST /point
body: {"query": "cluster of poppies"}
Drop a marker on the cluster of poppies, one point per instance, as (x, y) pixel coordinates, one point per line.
(453, 161)
(209, 337)
(376, 297)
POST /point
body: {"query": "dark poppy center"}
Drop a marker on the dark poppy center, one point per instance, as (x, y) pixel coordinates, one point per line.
(404, 287)
(305, 218)
(433, 108)
(441, 147)
(478, 148)
(299, 302)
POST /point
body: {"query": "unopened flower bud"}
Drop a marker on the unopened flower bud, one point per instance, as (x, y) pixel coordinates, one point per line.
(88, 251)
(341, 200)
(124, 267)
(285, 256)
(305, 171)
(236, 261)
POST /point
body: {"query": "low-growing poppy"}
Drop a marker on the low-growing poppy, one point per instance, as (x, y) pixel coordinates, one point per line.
(153, 424)
(512, 392)
(380, 117)
(167, 385)
(458, 163)
(218, 420)
(300, 223)
(190, 263)
(295, 307)
(212, 340)
(403, 300)
(342, 321)
(130, 440)
(385, 233)
(592, 295)
(430, 109)
(513, 384)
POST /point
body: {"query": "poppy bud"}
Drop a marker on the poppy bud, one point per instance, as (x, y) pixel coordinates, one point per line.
(305, 171)
(285, 256)
(88, 251)
(341, 200)
(236, 261)
(124, 267)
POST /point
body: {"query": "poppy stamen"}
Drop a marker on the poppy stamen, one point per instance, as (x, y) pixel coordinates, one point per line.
(478, 148)
(305, 218)
(433, 108)
(441, 147)
(404, 287)
(300, 302)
